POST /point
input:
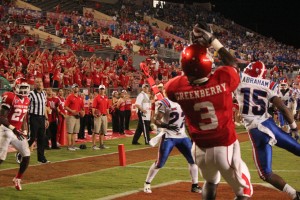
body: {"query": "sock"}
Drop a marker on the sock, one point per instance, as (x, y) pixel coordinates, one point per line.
(194, 173)
(19, 175)
(151, 173)
(290, 190)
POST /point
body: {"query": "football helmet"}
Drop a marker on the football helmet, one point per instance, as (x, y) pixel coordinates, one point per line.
(196, 62)
(21, 87)
(256, 69)
(283, 84)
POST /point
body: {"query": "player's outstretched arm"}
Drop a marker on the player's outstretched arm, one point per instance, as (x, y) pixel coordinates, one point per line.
(203, 35)
(287, 114)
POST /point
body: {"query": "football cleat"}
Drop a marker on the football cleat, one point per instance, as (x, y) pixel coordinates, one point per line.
(147, 188)
(17, 183)
(196, 189)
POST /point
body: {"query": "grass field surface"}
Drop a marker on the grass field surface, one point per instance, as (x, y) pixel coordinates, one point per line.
(111, 181)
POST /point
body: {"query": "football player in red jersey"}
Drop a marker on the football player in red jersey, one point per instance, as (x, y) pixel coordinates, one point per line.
(206, 99)
(13, 129)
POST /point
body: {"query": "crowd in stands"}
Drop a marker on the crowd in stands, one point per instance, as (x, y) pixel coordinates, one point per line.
(63, 68)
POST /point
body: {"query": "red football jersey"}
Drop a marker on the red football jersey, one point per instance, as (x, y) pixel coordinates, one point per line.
(18, 108)
(208, 108)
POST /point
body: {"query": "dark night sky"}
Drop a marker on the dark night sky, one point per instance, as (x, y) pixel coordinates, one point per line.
(277, 19)
(273, 18)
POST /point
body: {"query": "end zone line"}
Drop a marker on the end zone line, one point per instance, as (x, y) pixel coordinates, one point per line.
(169, 183)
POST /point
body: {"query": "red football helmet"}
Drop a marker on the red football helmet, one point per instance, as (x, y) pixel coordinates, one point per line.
(21, 87)
(196, 62)
(256, 69)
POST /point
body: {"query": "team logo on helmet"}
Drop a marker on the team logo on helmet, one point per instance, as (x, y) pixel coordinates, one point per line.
(256, 69)
(21, 87)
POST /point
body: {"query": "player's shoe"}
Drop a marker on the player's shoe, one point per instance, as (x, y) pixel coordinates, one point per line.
(95, 147)
(17, 183)
(18, 157)
(147, 188)
(196, 189)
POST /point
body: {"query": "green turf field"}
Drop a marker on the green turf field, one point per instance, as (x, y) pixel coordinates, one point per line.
(123, 179)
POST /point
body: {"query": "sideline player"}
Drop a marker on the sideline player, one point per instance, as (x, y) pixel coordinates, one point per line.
(170, 117)
(14, 125)
(254, 94)
(206, 100)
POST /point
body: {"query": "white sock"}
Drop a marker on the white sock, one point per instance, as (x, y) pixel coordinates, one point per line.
(194, 173)
(290, 191)
(152, 173)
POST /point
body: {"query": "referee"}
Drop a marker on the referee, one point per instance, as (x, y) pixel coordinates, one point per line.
(38, 119)
(143, 105)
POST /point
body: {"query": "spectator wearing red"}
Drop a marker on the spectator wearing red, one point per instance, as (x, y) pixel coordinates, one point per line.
(96, 78)
(51, 132)
(87, 120)
(121, 107)
(57, 77)
(74, 106)
(128, 106)
(78, 77)
(100, 113)
(46, 79)
(61, 115)
(87, 80)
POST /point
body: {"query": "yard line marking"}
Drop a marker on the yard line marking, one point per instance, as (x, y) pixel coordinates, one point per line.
(165, 184)
(186, 168)
(138, 190)
(37, 164)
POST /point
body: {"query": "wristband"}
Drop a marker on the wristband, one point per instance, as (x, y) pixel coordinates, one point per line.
(293, 125)
(216, 44)
(11, 127)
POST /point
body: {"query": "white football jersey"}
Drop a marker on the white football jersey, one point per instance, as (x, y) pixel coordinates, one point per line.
(253, 95)
(285, 96)
(173, 114)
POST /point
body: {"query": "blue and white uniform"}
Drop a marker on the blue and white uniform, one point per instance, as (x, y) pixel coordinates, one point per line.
(168, 139)
(173, 114)
(286, 96)
(253, 95)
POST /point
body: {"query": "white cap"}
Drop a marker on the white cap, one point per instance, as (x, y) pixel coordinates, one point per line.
(101, 86)
(160, 85)
(145, 85)
(74, 85)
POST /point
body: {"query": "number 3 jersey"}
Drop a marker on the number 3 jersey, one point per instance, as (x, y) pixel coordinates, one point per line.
(17, 106)
(173, 114)
(208, 107)
(253, 95)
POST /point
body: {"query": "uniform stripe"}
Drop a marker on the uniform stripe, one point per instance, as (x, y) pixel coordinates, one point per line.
(37, 103)
(166, 102)
(273, 85)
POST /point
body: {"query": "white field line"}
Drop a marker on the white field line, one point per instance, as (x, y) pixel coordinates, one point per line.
(138, 190)
(165, 184)
(186, 168)
(71, 176)
(76, 158)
